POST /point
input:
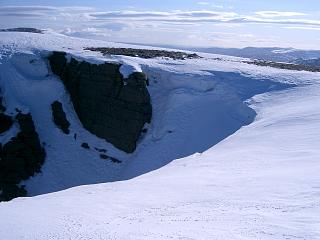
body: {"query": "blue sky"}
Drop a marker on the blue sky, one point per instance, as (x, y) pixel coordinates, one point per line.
(242, 5)
(229, 23)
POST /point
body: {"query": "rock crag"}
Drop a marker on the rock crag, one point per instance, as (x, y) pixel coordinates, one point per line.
(5, 123)
(287, 66)
(20, 158)
(59, 117)
(109, 106)
(5, 120)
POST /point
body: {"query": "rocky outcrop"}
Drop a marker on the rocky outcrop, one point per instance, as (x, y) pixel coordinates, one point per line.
(20, 159)
(144, 53)
(2, 108)
(108, 105)
(287, 66)
(21, 29)
(5, 120)
(112, 159)
(59, 117)
(85, 146)
(5, 123)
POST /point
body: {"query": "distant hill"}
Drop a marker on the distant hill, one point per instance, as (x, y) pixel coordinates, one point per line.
(289, 55)
(275, 54)
(314, 62)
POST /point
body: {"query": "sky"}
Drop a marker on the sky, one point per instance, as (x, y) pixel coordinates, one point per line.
(189, 23)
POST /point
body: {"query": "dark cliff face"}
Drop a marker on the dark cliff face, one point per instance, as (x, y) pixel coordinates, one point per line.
(20, 158)
(5, 123)
(105, 105)
(5, 120)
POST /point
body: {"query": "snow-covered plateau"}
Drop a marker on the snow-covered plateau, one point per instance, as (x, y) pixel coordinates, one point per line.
(232, 151)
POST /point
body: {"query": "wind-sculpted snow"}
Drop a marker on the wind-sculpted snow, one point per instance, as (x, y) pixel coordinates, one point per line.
(232, 152)
(192, 112)
(260, 183)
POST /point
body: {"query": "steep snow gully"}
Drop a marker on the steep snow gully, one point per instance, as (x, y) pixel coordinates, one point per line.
(191, 113)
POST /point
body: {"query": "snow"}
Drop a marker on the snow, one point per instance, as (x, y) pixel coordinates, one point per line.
(232, 152)
(128, 67)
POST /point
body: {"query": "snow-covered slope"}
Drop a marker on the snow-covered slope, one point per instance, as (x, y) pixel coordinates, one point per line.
(256, 181)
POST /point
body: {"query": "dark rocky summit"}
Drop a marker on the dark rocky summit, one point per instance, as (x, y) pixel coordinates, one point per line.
(59, 117)
(108, 105)
(20, 158)
(22, 29)
(144, 53)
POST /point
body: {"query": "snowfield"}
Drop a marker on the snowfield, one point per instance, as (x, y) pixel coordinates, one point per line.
(232, 152)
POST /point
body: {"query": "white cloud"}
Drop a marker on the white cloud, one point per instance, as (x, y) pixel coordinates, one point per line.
(276, 14)
(187, 27)
(220, 6)
(165, 16)
(303, 28)
(287, 21)
(43, 9)
(206, 17)
(85, 14)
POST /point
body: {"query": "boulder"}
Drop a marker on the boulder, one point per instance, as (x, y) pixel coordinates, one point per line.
(85, 146)
(104, 156)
